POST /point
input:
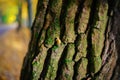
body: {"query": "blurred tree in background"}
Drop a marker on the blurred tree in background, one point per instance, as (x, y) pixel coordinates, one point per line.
(10, 9)
(14, 41)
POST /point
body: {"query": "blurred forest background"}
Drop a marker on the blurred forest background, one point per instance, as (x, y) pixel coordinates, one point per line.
(16, 17)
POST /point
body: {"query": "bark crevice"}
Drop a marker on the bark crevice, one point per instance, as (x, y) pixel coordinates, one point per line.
(46, 64)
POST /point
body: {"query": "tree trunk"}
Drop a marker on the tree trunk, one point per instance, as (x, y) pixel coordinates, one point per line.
(74, 40)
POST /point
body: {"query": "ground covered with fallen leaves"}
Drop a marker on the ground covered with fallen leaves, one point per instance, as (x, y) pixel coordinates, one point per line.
(13, 47)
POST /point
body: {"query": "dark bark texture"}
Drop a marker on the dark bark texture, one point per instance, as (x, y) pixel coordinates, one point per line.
(74, 40)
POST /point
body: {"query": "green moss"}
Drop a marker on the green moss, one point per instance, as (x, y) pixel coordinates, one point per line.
(67, 61)
(54, 27)
(52, 33)
(55, 47)
(35, 72)
(49, 40)
(56, 23)
(49, 37)
(35, 63)
(67, 76)
(70, 3)
(36, 34)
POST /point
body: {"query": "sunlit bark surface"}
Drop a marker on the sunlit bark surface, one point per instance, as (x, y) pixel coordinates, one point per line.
(74, 40)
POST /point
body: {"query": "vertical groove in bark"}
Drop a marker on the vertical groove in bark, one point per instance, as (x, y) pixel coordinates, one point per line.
(106, 55)
(109, 70)
(96, 35)
(68, 16)
(60, 64)
(68, 63)
(49, 32)
(53, 65)
(78, 14)
(116, 32)
(89, 36)
(84, 17)
(38, 62)
(54, 29)
(80, 69)
(81, 22)
(81, 46)
(37, 25)
(45, 65)
(65, 70)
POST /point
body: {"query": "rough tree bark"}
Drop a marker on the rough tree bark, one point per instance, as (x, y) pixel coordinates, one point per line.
(74, 40)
